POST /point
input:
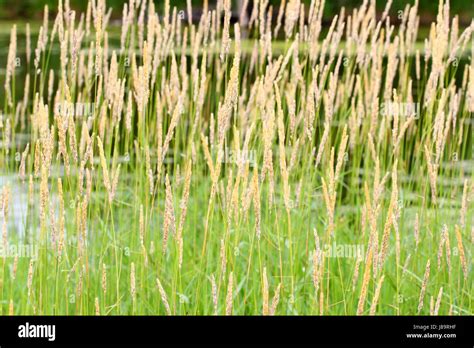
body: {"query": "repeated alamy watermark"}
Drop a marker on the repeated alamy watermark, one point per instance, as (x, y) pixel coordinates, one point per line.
(78, 109)
(350, 251)
(400, 109)
(18, 250)
(239, 156)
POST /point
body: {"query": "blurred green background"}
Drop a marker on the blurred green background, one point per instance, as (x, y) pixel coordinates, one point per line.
(32, 9)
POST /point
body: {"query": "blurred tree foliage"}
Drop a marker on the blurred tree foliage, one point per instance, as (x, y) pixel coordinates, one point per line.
(32, 9)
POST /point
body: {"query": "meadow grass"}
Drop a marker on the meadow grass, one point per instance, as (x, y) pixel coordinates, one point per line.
(198, 166)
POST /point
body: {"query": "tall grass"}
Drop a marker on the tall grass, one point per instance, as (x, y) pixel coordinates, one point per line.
(201, 166)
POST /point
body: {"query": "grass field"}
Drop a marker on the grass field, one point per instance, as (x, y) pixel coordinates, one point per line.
(254, 168)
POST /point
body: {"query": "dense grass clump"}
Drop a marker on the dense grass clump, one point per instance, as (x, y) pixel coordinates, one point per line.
(200, 166)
